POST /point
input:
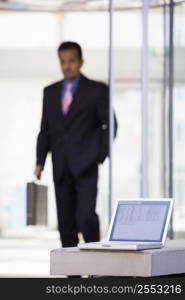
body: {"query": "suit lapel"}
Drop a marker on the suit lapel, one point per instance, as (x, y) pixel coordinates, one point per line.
(57, 97)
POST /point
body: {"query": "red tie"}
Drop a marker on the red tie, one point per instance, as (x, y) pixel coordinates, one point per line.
(67, 98)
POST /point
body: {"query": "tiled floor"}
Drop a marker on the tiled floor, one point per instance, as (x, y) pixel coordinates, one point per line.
(26, 254)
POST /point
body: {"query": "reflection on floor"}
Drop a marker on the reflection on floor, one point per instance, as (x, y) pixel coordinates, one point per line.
(26, 254)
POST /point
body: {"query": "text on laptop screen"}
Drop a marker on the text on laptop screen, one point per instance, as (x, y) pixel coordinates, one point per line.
(140, 221)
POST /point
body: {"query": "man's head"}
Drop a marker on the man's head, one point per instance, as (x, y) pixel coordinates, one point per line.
(70, 55)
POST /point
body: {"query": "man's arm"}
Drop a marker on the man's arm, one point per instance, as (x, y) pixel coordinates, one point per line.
(103, 117)
(42, 146)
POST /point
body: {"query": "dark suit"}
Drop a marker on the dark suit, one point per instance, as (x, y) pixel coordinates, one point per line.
(78, 142)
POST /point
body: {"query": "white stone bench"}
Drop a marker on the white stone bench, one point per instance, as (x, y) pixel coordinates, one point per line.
(146, 263)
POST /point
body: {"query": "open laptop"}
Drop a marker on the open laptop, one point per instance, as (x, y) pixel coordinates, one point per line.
(136, 224)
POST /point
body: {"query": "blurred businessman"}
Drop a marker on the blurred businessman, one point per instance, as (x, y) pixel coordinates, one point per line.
(74, 127)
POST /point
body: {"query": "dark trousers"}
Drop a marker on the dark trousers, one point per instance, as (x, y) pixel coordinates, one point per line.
(76, 202)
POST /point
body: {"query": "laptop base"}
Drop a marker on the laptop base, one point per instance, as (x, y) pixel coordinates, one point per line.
(118, 246)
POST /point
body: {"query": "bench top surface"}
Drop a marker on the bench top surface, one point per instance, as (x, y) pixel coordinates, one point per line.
(171, 245)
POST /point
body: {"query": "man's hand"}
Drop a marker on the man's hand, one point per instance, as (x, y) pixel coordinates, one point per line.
(38, 171)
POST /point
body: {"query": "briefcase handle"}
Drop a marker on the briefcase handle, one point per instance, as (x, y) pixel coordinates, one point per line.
(36, 181)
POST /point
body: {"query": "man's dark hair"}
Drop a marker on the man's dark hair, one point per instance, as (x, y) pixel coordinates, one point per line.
(71, 45)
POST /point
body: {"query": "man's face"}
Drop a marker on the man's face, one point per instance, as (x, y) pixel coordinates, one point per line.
(70, 63)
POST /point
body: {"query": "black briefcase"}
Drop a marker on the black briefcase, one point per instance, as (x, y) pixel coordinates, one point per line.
(37, 204)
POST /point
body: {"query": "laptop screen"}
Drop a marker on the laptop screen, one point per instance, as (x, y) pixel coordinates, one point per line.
(142, 221)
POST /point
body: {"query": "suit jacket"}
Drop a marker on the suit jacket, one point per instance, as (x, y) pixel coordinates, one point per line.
(82, 136)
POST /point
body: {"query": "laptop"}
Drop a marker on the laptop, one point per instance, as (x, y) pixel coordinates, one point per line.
(136, 224)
